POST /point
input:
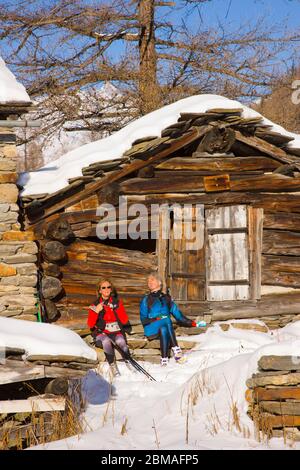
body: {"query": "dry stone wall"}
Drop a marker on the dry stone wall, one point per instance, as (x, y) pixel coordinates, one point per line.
(18, 251)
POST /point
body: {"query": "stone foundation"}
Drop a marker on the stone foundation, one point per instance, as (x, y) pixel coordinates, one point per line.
(18, 251)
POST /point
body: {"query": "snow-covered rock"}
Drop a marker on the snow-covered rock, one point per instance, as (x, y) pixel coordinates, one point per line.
(42, 339)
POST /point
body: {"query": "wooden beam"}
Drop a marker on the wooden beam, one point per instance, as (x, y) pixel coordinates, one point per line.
(33, 404)
(277, 304)
(17, 371)
(267, 148)
(162, 246)
(270, 183)
(255, 231)
(229, 164)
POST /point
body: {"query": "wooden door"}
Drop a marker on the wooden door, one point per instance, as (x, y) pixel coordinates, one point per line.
(227, 266)
(234, 235)
(186, 260)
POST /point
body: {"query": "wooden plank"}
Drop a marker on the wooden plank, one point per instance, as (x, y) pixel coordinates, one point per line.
(227, 260)
(269, 183)
(98, 268)
(255, 231)
(17, 371)
(265, 147)
(280, 408)
(276, 304)
(281, 264)
(228, 217)
(91, 202)
(282, 393)
(281, 279)
(227, 253)
(230, 164)
(187, 255)
(214, 231)
(281, 242)
(229, 282)
(198, 174)
(271, 202)
(162, 184)
(268, 421)
(177, 259)
(33, 404)
(216, 183)
(162, 245)
(282, 221)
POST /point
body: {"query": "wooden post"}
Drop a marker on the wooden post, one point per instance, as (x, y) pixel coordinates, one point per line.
(162, 245)
(255, 230)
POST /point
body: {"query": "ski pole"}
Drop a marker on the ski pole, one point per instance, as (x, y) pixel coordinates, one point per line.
(138, 367)
(132, 361)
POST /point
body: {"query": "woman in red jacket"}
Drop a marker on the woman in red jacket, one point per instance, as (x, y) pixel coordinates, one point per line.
(109, 322)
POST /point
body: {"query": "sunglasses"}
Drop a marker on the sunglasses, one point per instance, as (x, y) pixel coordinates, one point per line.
(105, 287)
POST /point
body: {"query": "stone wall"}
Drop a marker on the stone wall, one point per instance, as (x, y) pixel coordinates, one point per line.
(18, 251)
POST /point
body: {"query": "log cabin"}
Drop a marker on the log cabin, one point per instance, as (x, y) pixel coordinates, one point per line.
(236, 170)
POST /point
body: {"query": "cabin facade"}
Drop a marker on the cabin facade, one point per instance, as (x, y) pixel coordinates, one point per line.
(231, 178)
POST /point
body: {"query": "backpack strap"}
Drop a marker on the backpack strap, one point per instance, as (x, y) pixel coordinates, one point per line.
(150, 300)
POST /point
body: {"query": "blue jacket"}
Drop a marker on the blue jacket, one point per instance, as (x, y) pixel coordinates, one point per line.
(159, 314)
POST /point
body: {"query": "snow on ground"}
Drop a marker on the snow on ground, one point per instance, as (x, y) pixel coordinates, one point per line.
(55, 174)
(42, 338)
(209, 384)
(10, 90)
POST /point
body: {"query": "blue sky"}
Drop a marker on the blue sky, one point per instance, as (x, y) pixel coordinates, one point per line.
(240, 11)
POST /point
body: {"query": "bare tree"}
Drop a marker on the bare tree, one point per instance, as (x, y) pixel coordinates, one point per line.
(63, 49)
(279, 105)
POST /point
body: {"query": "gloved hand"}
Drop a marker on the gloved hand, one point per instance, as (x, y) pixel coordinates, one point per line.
(199, 324)
(127, 328)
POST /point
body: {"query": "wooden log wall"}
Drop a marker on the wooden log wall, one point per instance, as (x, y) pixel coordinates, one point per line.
(90, 261)
(87, 261)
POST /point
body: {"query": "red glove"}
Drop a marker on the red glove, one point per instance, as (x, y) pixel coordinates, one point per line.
(199, 324)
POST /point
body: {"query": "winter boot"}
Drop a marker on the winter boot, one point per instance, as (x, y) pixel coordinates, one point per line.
(164, 361)
(178, 355)
(114, 370)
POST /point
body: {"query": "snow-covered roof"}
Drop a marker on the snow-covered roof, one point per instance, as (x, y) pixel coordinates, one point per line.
(54, 176)
(11, 91)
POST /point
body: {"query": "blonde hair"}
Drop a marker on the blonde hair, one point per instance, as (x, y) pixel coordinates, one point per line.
(157, 277)
(101, 281)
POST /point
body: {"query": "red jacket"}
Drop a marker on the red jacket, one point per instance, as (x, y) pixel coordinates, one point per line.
(108, 315)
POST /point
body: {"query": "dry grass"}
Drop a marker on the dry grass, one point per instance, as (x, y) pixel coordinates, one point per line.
(124, 426)
(39, 428)
(200, 386)
(213, 423)
(156, 434)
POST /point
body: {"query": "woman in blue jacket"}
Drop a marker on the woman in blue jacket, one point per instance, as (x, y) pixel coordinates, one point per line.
(156, 309)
